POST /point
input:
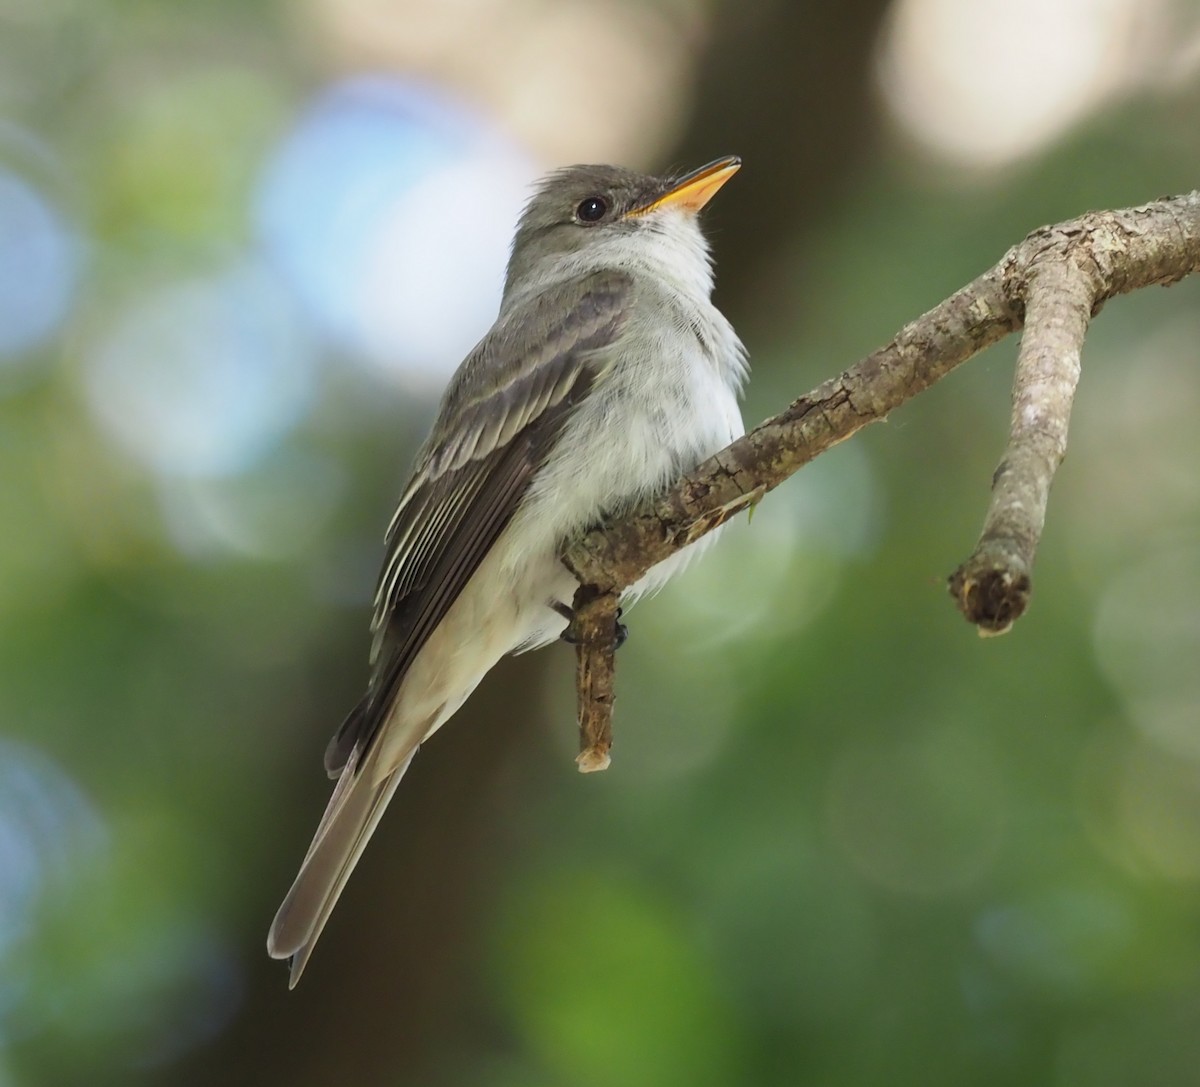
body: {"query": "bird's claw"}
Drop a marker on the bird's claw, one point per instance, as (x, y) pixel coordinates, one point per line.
(568, 613)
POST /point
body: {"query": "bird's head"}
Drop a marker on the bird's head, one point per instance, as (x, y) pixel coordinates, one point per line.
(595, 216)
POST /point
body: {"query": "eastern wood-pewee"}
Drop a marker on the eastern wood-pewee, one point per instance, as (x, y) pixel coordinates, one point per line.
(607, 375)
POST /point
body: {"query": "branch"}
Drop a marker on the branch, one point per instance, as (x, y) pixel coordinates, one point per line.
(992, 586)
(1052, 283)
(594, 632)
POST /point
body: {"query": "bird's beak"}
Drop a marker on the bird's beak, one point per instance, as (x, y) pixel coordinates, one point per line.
(694, 190)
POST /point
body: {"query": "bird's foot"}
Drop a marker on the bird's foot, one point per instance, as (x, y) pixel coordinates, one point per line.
(568, 635)
(622, 631)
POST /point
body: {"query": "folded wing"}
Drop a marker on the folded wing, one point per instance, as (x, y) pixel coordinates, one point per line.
(498, 422)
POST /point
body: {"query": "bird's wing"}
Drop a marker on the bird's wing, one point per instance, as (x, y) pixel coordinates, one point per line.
(498, 422)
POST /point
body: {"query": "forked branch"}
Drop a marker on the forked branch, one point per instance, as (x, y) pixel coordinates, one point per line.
(1051, 284)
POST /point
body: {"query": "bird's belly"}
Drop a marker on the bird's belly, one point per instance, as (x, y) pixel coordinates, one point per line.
(625, 443)
(621, 447)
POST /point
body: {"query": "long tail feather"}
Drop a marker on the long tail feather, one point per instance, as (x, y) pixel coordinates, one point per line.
(353, 812)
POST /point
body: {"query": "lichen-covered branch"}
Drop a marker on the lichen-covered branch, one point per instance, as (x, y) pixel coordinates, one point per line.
(1051, 283)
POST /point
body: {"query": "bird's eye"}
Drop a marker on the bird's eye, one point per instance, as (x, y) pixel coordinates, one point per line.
(592, 210)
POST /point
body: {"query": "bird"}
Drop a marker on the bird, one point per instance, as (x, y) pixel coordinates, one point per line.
(607, 375)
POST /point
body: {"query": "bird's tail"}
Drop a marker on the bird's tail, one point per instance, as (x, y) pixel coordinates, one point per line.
(350, 819)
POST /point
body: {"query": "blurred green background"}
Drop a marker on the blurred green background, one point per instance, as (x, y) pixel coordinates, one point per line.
(844, 841)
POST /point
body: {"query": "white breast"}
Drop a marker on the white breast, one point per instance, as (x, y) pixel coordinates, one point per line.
(667, 401)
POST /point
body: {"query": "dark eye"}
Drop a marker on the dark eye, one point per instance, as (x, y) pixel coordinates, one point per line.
(592, 210)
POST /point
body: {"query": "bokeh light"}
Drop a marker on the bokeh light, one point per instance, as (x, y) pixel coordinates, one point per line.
(796, 545)
(985, 90)
(203, 377)
(389, 209)
(573, 81)
(49, 832)
(276, 512)
(39, 267)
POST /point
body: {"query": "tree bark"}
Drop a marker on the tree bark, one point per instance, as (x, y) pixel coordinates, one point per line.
(1051, 284)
